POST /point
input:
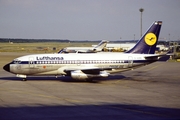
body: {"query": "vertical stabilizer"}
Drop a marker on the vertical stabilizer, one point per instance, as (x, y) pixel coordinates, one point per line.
(147, 43)
(101, 45)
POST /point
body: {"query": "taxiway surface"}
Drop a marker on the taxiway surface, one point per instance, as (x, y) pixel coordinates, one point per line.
(149, 92)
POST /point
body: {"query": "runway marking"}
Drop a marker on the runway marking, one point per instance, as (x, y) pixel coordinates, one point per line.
(140, 111)
(80, 101)
(128, 86)
(153, 67)
(42, 95)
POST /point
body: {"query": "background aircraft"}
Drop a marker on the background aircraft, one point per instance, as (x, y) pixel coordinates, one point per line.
(128, 46)
(89, 65)
(96, 48)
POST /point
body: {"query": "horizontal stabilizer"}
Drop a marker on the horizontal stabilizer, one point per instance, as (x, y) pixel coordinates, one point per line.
(160, 57)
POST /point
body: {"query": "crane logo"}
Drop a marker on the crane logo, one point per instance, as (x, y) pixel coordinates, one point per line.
(150, 39)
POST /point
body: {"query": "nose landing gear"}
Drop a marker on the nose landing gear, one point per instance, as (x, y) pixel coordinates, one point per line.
(24, 79)
(22, 76)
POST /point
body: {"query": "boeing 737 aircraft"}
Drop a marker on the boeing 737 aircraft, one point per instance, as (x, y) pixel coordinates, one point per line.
(89, 65)
(97, 48)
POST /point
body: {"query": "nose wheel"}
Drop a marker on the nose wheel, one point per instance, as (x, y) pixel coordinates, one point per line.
(24, 79)
(22, 76)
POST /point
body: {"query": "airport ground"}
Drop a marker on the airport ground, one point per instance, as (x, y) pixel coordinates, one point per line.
(41, 47)
(147, 93)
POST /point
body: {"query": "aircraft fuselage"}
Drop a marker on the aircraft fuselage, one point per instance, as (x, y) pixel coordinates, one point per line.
(55, 64)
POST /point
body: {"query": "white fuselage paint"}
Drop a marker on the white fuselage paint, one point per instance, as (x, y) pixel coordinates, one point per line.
(54, 64)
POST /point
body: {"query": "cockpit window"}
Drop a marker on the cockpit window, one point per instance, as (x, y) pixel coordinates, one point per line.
(16, 61)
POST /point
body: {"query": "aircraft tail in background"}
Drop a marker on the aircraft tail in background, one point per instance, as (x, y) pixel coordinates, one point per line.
(101, 45)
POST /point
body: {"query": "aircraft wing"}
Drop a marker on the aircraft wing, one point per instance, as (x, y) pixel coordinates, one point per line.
(76, 51)
(85, 69)
(84, 72)
(80, 68)
(158, 57)
(85, 51)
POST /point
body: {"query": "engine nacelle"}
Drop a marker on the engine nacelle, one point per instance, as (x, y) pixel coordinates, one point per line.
(79, 75)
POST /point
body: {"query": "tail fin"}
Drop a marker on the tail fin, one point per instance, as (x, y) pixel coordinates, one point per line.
(147, 43)
(101, 45)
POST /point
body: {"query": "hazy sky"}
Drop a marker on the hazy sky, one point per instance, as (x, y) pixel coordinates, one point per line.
(87, 19)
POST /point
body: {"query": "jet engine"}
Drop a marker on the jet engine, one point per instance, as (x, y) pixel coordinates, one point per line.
(79, 75)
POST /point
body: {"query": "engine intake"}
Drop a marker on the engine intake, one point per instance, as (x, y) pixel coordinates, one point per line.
(79, 75)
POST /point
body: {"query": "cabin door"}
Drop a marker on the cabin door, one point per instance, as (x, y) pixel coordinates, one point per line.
(130, 61)
(78, 62)
(31, 62)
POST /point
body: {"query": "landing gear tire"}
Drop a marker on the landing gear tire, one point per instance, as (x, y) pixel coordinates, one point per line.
(24, 79)
(89, 80)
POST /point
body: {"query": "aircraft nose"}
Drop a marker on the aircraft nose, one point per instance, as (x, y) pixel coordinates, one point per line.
(7, 67)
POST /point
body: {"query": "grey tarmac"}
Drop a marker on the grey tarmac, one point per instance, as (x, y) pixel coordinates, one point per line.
(146, 93)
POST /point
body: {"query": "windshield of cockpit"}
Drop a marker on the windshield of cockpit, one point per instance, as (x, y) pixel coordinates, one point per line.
(16, 61)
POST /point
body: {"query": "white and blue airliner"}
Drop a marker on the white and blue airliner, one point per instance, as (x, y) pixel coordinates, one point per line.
(86, 66)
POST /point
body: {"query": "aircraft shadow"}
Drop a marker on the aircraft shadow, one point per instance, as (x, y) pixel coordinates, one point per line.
(63, 79)
(89, 112)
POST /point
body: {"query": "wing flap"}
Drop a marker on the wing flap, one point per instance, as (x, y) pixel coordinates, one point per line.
(86, 70)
